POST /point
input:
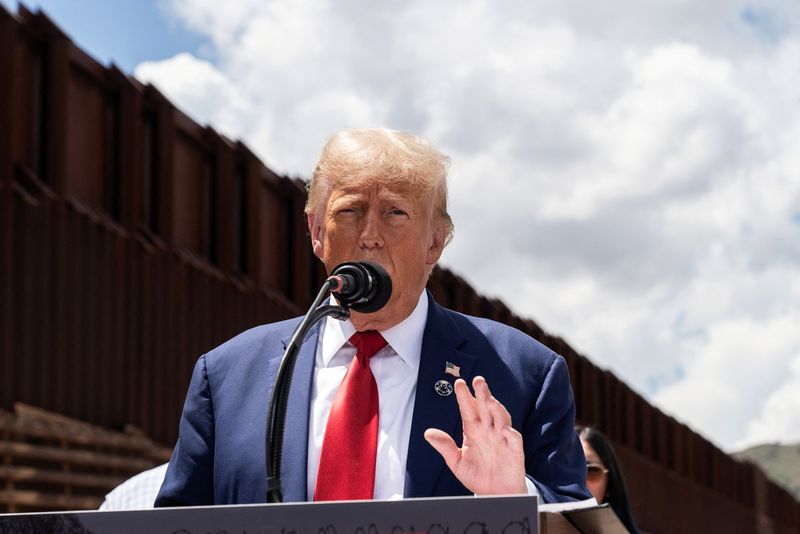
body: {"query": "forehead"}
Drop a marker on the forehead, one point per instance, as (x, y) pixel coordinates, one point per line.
(376, 188)
(589, 452)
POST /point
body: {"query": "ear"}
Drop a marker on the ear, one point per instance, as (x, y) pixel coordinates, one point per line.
(315, 230)
(436, 246)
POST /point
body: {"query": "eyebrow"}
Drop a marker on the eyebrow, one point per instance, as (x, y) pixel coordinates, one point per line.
(390, 197)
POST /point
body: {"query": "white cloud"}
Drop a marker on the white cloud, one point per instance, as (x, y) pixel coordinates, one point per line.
(631, 169)
(731, 376)
(198, 87)
(779, 418)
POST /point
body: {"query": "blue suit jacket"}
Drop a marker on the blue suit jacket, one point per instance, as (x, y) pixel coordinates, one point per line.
(219, 457)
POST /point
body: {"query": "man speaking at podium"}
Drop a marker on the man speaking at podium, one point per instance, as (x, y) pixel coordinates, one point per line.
(380, 405)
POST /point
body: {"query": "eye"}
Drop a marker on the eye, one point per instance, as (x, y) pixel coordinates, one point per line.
(595, 472)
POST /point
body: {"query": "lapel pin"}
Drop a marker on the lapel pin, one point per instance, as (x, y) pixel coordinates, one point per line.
(443, 388)
(452, 369)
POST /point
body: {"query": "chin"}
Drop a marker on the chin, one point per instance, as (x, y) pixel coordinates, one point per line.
(369, 321)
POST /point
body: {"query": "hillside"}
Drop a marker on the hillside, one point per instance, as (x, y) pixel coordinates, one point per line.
(780, 462)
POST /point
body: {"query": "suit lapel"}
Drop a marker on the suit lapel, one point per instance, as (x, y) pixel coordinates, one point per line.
(294, 462)
(440, 344)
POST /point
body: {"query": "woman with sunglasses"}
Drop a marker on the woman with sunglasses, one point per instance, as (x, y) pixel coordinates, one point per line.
(603, 475)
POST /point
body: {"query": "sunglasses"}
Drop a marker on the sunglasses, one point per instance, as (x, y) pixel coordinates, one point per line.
(595, 472)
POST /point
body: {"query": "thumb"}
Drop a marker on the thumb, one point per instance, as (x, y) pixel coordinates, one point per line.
(444, 445)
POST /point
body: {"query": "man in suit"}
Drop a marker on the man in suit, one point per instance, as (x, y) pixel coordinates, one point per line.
(380, 406)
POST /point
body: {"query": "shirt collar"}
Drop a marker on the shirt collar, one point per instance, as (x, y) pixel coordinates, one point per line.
(405, 338)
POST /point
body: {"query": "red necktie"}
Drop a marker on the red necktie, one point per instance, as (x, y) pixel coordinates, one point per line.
(347, 459)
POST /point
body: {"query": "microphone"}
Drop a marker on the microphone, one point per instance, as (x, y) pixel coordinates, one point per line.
(363, 286)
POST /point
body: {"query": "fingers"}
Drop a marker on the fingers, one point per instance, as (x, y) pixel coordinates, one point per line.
(467, 404)
(514, 441)
(482, 398)
(444, 445)
(500, 416)
(492, 413)
(491, 459)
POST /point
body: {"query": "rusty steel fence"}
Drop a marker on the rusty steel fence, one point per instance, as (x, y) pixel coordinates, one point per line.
(133, 239)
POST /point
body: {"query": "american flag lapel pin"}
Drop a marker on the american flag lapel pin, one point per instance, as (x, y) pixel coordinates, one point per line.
(452, 369)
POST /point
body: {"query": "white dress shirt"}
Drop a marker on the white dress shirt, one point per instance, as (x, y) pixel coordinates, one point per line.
(395, 368)
(138, 492)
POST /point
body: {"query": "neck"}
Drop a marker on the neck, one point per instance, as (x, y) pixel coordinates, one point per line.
(391, 315)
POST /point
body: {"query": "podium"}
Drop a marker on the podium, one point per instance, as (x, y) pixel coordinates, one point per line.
(447, 515)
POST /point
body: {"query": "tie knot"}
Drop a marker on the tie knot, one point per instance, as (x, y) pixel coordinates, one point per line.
(367, 343)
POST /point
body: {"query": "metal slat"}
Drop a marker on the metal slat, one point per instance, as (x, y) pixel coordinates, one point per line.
(37, 475)
(47, 501)
(28, 452)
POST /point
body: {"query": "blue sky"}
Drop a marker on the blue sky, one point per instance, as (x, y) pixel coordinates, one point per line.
(625, 173)
(126, 32)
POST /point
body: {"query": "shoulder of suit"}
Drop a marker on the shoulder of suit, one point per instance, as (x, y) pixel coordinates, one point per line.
(500, 333)
(263, 340)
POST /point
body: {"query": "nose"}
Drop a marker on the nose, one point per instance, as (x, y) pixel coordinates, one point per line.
(371, 234)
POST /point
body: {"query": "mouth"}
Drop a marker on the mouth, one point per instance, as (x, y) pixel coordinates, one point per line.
(374, 259)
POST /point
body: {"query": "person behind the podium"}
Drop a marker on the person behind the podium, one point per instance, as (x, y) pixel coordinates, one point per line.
(380, 405)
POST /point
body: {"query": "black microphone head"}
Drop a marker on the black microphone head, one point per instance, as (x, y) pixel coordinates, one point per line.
(371, 289)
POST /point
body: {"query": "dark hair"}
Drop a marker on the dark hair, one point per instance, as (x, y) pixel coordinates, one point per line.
(616, 494)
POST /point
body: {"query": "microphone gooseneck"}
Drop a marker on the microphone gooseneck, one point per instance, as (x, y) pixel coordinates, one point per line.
(363, 286)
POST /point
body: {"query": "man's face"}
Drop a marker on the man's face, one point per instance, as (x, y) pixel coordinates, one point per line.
(390, 225)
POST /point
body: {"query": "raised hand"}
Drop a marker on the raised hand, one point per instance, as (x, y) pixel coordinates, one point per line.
(491, 460)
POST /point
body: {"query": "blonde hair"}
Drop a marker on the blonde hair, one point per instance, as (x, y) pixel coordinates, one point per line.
(371, 156)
